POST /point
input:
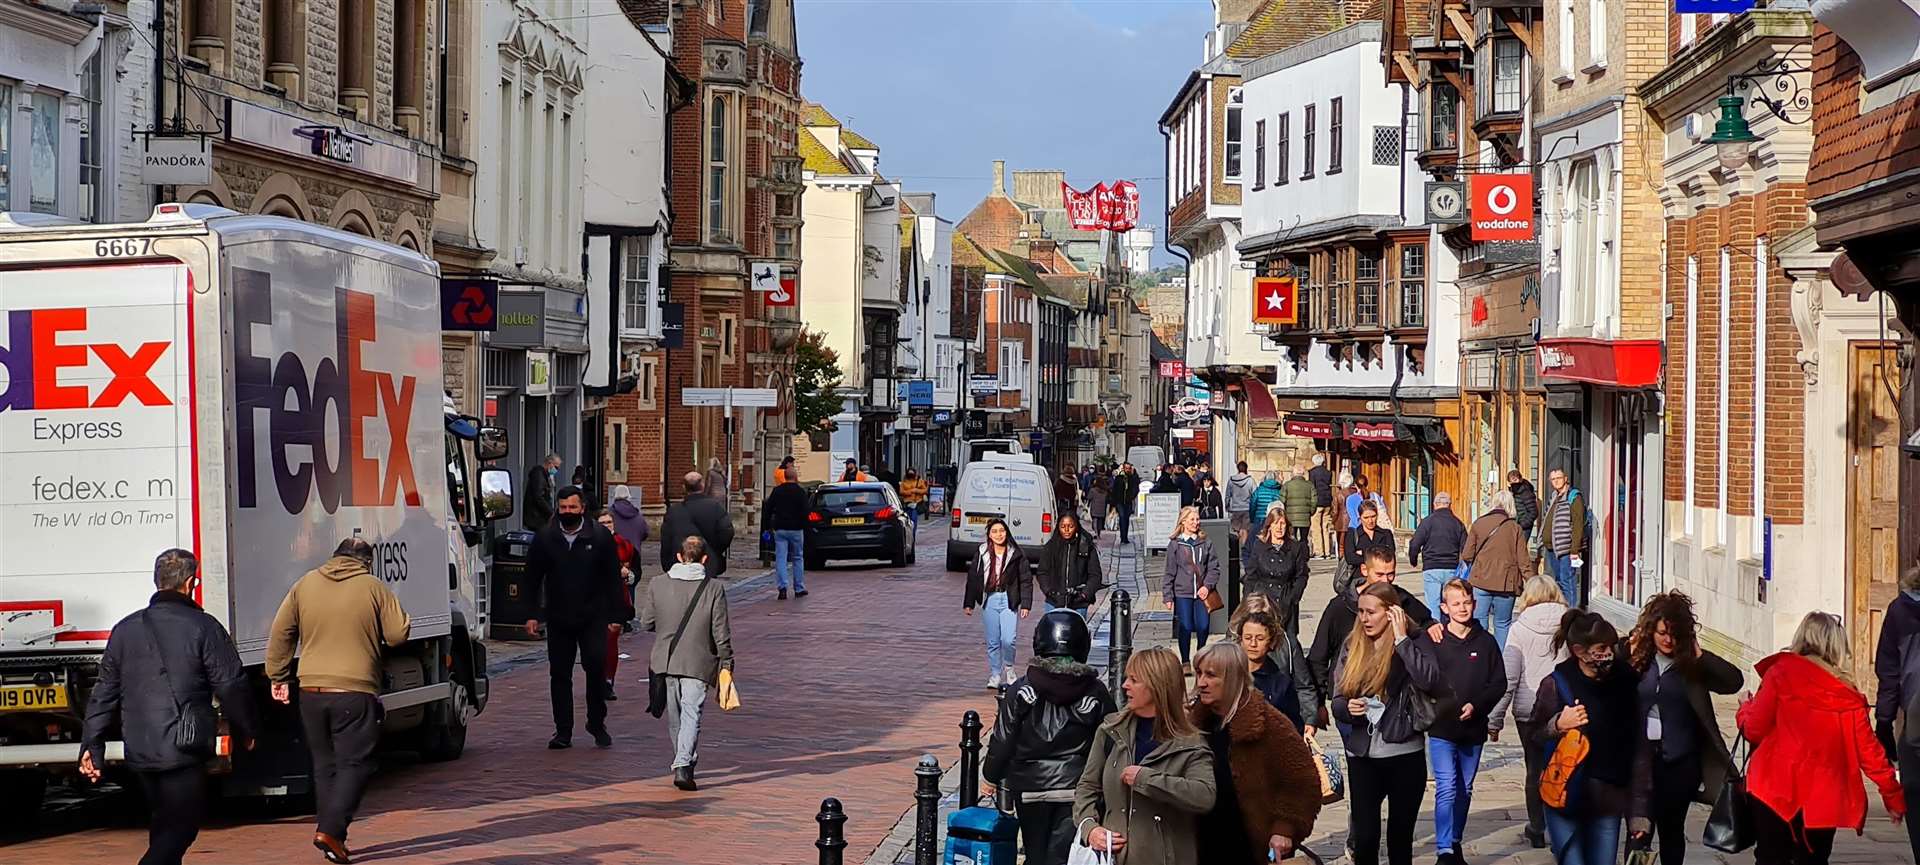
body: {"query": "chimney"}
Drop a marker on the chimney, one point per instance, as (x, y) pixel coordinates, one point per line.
(1000, 178)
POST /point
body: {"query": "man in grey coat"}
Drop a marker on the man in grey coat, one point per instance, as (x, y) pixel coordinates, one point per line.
(688, 601)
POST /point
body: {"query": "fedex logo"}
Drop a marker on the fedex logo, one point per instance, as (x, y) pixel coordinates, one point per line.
(35, 353)
(297, 398)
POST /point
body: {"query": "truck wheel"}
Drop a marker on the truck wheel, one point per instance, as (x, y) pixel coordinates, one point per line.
(444, 737)
(21, 792)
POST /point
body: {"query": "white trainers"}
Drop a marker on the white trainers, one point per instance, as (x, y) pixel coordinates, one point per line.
(993, 681)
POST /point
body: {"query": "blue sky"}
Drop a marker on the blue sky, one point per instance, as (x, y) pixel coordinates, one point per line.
(945, 87)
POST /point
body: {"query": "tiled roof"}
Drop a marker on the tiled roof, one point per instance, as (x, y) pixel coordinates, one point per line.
(1281, 24)
(818, 159)
(813, 114)
(1024, 270)
(1073, 288)
(994, 223)
(907, 225)
(966, 253)
(856, 141)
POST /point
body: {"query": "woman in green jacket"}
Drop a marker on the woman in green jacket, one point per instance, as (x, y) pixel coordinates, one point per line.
(1149, 776)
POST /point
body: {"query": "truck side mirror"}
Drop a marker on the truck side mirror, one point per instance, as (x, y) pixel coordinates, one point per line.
(492, 444)
(496, 492)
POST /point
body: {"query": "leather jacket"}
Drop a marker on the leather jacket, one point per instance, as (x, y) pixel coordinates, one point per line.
(1046, 726)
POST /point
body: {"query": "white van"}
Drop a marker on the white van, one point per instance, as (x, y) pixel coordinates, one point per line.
(978, 449)
(1147, 460)
(1006, 486)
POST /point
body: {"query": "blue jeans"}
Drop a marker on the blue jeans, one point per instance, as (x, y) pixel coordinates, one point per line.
(1435, 580)
(789, 557)
(1190, 619)
(913, 518)
(1454, 767)
(1496, 613)
(1580, 840)
(1567, 576)
(1002, 623)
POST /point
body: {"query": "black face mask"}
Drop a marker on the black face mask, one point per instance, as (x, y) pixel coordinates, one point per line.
(572, 522)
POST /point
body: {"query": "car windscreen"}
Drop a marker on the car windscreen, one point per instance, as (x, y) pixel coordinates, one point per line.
(851, 500)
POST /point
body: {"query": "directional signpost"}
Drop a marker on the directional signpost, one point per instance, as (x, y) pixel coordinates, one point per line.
(729, 398)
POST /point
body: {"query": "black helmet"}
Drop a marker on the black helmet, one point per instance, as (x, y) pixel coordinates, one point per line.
(1062, 634)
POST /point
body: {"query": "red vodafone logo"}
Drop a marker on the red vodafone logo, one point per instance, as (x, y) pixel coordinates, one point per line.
(1502, 206)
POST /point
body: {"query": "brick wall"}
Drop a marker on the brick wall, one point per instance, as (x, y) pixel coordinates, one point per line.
(1850, 148)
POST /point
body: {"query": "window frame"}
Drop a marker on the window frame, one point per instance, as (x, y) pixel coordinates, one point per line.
(1280, 148)
(1233, 137)
(720, 167)
(638, 249)
(1336, 128)
(1306, 139)
(1404, 286)
(1365, 285)
(646, 389)
(1260, 154)
(1432, 127)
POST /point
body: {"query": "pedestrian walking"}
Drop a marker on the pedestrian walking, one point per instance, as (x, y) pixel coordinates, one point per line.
(1124, 494)
(1265, 496)
(1688, 754)
(1097, 503)
(1529, 657)
(1564, 536)
(786, 510)
(718, 484)
(851, 473)
(1337, 620)
(1526, 501)
(1213, 505)
(1163, 482)
(1896, 664)
(1149, 774)
(1476, 682)
(1184, 484)
(1000, 583)
(1496, 553)
(1297, 499)
(1290, 688)
(1070, 568)
(577, 563)
(1192, 573)
(1045, 728)
(162, 666)
(1322, 532)
(1266, 780)
(1811, 744)
(780, 471)
(696, 658)
(1361, 495)
(1381, 673)
(913, 494)
(697, 515)
(1276, 567)
(1593, 696)
(1435, 548)
(1366, 535)
(339, 617)
(1239, 494)
(627, 521)
(542, 479)
(629, 556)
(1066, 494)
(583, 481)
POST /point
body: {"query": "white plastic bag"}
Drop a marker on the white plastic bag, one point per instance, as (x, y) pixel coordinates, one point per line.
(1082, 854)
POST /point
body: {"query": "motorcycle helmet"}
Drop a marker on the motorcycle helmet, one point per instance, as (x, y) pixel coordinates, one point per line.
(1062, 634)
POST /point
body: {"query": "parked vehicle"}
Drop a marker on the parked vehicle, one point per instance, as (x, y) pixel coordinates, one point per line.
(858, 521)
(1003, 486)
(253, 389)
(977, 449)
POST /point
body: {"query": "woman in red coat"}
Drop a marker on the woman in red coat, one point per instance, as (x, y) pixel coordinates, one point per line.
(629, 568)
(1812, 741)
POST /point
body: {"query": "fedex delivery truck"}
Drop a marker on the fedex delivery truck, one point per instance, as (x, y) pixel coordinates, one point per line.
(251, 388)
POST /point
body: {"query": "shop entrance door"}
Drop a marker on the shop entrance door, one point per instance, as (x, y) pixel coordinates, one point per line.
(1873, 507)
(1622, 524)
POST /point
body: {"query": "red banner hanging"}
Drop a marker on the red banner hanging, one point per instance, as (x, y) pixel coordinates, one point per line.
(1114, 208)
(1083, 208)
(1126, 208)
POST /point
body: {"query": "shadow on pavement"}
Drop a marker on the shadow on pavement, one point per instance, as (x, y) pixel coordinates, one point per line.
(533, 824)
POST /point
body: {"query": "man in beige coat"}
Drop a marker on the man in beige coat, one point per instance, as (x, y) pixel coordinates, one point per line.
(340, 617)
(692, 643)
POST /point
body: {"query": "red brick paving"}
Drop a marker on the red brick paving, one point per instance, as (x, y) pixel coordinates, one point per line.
(843, 691)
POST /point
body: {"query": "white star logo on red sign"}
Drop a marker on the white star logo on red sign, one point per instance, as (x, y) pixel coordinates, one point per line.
(1276, 301)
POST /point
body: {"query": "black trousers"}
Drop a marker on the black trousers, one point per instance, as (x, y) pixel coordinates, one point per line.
(1910, 768)
(1046, 831)
(1400, 782)
(1778, 842)
(341, 730)
(590, 643)
(1536, 760)
(178, 798)
(1674, 783)
(1125, 517)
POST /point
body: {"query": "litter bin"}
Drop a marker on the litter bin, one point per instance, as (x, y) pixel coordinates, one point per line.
(982, 836)
(512, 603)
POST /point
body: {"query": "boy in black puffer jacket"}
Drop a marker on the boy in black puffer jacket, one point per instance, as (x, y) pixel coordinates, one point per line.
(1044, 730)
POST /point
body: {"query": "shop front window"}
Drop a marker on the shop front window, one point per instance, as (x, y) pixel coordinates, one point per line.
(6, 148)
(43, 154)
(1416, 489)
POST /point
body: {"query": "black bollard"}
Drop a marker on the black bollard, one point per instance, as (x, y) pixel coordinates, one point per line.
(1119, 641)
(926, 818)
(833, 842)
(970, 759)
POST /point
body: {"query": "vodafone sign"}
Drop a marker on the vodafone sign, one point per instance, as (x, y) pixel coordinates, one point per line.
(1501, 206)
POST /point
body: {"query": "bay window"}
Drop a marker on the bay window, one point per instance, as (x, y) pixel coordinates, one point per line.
(1413, 285)
(1443, 116)
(1233, 136)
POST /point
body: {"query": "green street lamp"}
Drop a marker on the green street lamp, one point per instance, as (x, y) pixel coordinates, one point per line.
(1732, 136)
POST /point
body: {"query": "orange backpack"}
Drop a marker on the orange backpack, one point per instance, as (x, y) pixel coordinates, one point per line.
(1560, 779)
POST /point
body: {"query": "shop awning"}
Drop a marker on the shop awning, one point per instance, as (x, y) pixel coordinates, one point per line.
(1311, 429)
(1259, 400)
(1362, 429)
(1624, 363)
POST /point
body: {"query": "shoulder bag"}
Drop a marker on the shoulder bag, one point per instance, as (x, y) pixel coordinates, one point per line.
(194, 724)
(1561, 780)
(1730, 824)
(657, 679)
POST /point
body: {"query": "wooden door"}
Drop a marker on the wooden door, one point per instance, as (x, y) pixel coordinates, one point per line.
(1873, 506)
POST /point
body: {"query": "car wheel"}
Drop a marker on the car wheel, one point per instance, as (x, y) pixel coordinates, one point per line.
(913, 555)
(815, 563)
(900, 556)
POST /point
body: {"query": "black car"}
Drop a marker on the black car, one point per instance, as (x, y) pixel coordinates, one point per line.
(858, 521)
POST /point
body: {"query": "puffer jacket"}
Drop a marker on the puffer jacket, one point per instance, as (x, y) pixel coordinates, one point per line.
(1066, 565)
(1278, 571)
(1497, 549)
(1528, 657)
(1191, 563)
(1045, 727)
(1159, 814)
(1526, 501)
(1263, 498)
(200, 663)
(1297, 498)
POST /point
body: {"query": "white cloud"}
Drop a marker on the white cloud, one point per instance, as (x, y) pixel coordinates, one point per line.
(1129, 32)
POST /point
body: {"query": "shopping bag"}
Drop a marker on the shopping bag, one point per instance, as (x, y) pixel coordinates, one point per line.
(1730, 824)
(729, 695)
(1333, 786)
(1081, 854)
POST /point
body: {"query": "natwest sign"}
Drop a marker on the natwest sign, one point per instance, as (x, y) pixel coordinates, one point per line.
(1501, 206)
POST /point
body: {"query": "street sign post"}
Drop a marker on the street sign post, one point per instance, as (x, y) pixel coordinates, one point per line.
(728, 398)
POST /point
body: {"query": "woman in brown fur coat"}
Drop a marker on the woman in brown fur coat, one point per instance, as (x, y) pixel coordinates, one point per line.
(1269, 788)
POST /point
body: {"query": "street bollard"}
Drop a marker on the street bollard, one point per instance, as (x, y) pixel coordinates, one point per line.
(926, 818)
(1119, 641)
(833, 842)
(970, 759)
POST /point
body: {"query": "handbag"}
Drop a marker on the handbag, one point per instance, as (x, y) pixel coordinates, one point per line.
(657, 679)
(1730, 824)
(1333, 785)
(1561, 779)
(1083, 854)
(194, 724)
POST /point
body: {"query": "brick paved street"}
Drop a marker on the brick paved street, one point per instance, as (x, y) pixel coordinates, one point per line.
(843, 690)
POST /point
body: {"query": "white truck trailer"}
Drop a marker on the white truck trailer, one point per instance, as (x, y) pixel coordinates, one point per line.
(253, 389)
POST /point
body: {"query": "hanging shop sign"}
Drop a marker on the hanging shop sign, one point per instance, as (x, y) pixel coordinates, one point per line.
(522, 320)
(469, 304)
(1310, 429)
(983, 385)
(1501, 206)
(1173, 369)
(1446, 202)
(178, 160)
(1274, 300)
(1361, 431)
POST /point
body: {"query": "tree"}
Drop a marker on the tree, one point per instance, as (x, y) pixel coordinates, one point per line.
(816, 375)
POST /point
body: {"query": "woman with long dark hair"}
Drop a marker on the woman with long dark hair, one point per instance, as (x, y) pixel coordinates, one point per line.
(1276, 566)
(1381, 672)
(1069, 567)
(1688, 755)
(1000, 583)
(1593, 694)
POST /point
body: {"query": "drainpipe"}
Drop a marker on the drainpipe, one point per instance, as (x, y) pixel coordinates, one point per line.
(1186, 262)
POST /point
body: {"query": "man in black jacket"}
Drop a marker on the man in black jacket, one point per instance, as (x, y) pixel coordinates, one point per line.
(1438, 540)
(1040, 743)
(1126, 488)
(1325, 540)
(1377, 566)
(784, 513)
(575, 559)
(1526, 501)
(169, 654)
(696, 515)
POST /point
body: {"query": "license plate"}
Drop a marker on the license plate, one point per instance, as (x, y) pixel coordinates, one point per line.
(850, 521)
(32, 698)
(979, 519)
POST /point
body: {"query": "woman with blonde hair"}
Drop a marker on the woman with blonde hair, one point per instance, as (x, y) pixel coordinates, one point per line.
(1529, 658)
(1379, 675)
(1277, 568)
(1193, 573)
(1811, 742)
(1267, 780)
(1149, 774)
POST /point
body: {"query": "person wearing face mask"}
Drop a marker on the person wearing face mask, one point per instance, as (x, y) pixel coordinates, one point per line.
(1592, 693)
(629, 577)
(1382, 670)
(1688, 756)
(541, 480)
(578, 564)
(1266, 780)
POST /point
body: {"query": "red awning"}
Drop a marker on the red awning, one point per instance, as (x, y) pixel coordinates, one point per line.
(1615, 363)
(1259, 400)
(1310, 429)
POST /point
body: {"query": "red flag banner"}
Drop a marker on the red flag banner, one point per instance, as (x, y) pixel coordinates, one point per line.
(1083, 208)
(1126, 209)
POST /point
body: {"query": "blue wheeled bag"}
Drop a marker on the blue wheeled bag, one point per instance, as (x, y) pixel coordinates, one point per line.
(982, 836)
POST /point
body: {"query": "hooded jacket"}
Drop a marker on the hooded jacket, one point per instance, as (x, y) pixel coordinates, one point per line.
(1240, 493)
(1066, 565)
(1528, 657)
(1811, 744)
(1159, 814)
(627, 521)
(1497, 549)
(340, 618)
(1337, 622)
(1273, 777)
(1263, 498)
(1046, 726)
(200, 663)
(706, 647)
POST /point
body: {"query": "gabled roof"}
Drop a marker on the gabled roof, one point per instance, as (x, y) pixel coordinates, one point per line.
(815, 157)
(966, 253)
(1074, 288)
(1023, 270)
(994, 223)
(856, 141)
(1281, 24)
(814, 114)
